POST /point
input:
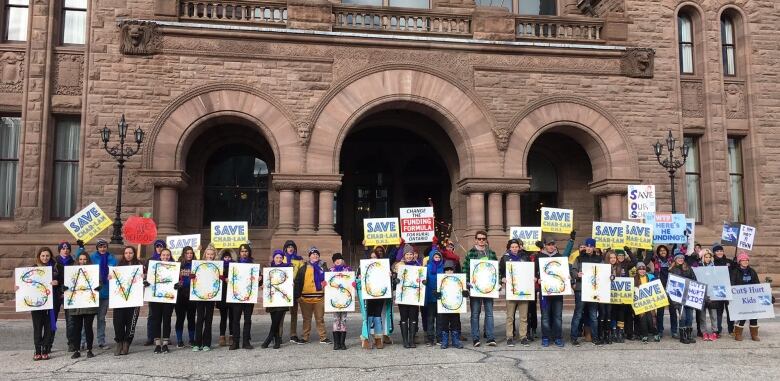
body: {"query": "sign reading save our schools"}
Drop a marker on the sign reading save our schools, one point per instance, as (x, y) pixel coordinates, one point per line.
(229, 234)
(88, 223)
(638, 235)
(667, 228)
(529, 236)
(417, 224)
(608, 234)
(556, 220)
(751, 301)
(641, 200)
(381, 231)
(649, 296)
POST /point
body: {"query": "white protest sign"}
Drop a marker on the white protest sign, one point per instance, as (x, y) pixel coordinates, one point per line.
(162, 276)
(33, 288)
(451, 287)
(417, 224)
(339, 291)
(596, 283)
(376, 278)
(243, 283)
(746, 236)
(410, 288)
(206, 285)
(751, 301)
(484, 278)
(520, 281)
(81, 282)
(717, 280)
(690, 225)
(277, 287)
(554, 275)
(126, 286)
(641, 200)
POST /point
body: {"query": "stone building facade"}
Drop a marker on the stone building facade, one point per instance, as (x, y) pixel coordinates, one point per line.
(304, 116)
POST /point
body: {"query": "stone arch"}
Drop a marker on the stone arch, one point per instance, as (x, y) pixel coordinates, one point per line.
(600, 135)
(174, 130)
(455, 108)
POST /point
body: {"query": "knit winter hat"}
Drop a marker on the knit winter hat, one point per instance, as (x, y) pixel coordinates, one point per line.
(641, 265)
(160, 243)
(590, 242)
(448, 264)
(313, 250)
(63, 245)
(716, 248)
(277, 252)
(408, 249)
(337, 256)
(101, 242)
(679, 256)
(743, 256)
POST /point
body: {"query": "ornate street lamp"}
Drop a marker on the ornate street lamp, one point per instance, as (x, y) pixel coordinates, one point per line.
(671, 164)
(120, 153)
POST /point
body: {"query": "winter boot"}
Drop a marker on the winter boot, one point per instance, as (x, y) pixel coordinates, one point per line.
(691, 337)
(587, 334)
(247, 344)
(118, 348)
(610, 336)
(365, 343)
(335, 341)
(222, 341)
(267, 341)
(754, 333)
(125, 348)
(277, 341)
(413, 335)
(445, 339)
(738, 333)
(598, 338)
(456, 340)
(230, 341)
(681, 335)
(157, 347)
(233, 344)
(379, 342)
(405, 333)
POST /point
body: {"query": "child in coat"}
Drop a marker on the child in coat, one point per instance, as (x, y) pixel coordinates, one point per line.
(450, 322)
(340, 318)
(646, 320)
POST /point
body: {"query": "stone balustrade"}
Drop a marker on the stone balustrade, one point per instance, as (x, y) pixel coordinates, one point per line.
(558, 28)
(254, 12)
(421, 21)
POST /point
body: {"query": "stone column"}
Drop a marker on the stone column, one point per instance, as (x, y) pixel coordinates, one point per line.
(169, 208)
(614, 207)
(612, 196)
(326, 213)
(167, 184)
(286, 212)
(495, 214)
(306, 212)
(475, 207)
(512, 209)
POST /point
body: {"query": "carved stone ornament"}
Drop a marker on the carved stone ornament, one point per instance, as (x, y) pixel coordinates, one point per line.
(502, 138)
(139, 37)
(692, 98)
(11, 72)
(637, 62)
(303, 127)
(68, 76)
(735, 101)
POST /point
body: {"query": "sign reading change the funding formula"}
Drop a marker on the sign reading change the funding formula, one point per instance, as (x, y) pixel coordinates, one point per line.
(229, 234)
(381, 231)
(88, 223)
(417, 224)
(556, 220)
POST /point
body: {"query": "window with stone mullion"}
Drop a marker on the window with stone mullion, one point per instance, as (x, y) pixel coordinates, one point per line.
(736, 179)
(685, 38)
(728, 46)
(66, 166)
(693, 179)
(74, 22)
(15, 22)
(9, 161)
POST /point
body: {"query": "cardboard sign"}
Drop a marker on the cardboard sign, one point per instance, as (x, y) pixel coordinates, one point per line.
(410, 288)
(381, 231)
(177, 243)
(162, 276)
(206, 285)
(229, 234)
(277, 287)
(686, 292)
(125, 286)
(638, 235)
(596, 285)
(751, 301)
(609, 234)
(417, 224)
(555, 277)
(81, 282)
(376, 278)
(717, 280)
(622, 290)
(451, 287)
(641, 200)
(528, 235)
(243, 283)
(667, 228)
(339, 291)
(484, 278)
(33, 288)
(139, 230)
(88, 223)
(556, 220)
(649, 296)
(746, 236)
(520, 281)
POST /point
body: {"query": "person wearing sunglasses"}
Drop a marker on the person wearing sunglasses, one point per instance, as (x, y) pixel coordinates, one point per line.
(481, 250)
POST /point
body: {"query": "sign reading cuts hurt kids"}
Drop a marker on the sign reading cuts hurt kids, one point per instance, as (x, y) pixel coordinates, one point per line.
(381, 231)
(417, 224)
(229, 234)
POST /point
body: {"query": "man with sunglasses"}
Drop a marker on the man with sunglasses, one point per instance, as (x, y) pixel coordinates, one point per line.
(552, 306)
(481, 250)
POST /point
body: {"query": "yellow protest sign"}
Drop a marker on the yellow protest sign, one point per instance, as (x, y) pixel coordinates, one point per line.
(622, 291)
(528, 235)
(649, 296)
(381, 231)
(638, 235)
(608, 235)
(88, 223)
(556, 220)
(229, 234)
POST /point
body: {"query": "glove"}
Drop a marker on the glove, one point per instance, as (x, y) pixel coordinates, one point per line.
(572, 235)
(323, 283)
(80, 243)
(626, 249)
(98, 288)
(222, 278)
(465, 294)
(539, 244)
(192, 276)
(146, 283)
(611, 277)
(176, 286)
(354, 284)
(437, 295)
(65, 288)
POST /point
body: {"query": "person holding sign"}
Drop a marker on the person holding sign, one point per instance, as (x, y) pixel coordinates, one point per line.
(708, 334)
(481, 250)
(225, 310)
(340, 318)
(292, 258)
(160, 313)
(720, 259)
(277, 313)
(662, 262)
(185, 308)
(64, 259)
(245, 309)
(125, 318)
(159, 245)
(408, 312)
(581, 308)
(204, 309)
(83, 317)
(103, 259)
(681, 269)
(552, 306)
(449, 323)
(41, 319)
(514, 253)
(434, 267)
(372, 310)
(645, 319)
(310, 292)
(741, 275)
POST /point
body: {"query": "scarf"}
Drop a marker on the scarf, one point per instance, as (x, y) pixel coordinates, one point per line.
(513, 257)
(319, 275)
(52, 316)
(283, 264)
(341, 268)
(292, 257)
(245, 260)
(65, 261)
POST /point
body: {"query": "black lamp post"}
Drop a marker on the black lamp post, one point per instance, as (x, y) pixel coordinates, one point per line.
(120, 153)
(671, 164)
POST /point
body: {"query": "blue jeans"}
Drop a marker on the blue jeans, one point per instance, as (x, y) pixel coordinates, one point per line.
(686, 315)
(552, 317)
(375, 324)
(476, 309)
(431, 321)
(584, 313)
(101, 322)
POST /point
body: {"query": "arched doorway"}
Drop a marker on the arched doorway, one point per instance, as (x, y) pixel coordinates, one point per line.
(393, 159)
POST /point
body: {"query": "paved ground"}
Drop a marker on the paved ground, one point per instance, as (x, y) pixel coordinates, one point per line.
(725, 359)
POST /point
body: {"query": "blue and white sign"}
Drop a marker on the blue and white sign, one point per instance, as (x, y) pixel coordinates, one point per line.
(667, 228)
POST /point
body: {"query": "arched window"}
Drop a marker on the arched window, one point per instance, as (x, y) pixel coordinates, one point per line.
(728, 45)
(236, 186)
(685, 39)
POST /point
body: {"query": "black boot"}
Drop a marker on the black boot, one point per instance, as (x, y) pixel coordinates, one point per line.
(343, 341)
(609, 336)
(598, 335)
(267, 341)
(681, 333)
(277, 341)
(247, 345)
(335, 341)
(405, 333)
(412, 334)
(234, 344)
(691, 338)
